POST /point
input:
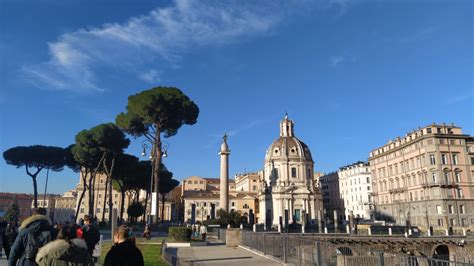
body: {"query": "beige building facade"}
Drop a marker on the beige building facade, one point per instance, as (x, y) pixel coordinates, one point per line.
(331, 194)
(201, 198)
(99, 197)
(425, 178)
(65, 207)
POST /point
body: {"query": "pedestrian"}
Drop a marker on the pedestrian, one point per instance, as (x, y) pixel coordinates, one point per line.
(35, 232)
(3, 239)
(10, 236)
(123, 252)
(131, 235)
(65, 250)
(146, 233)
(90, 234)
(193, 234)
(203, 231)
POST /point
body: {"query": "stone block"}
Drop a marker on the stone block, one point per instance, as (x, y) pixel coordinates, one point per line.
(233, 237)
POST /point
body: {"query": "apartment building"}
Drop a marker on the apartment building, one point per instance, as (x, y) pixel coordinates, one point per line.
(425, 178)
(332, 200)
(355, 187)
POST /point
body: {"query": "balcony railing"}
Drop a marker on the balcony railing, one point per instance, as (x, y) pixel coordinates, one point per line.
(397, 190)
(441, 183)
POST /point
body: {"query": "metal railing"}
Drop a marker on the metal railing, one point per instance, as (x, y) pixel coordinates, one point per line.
(299, 250)
(221, 235)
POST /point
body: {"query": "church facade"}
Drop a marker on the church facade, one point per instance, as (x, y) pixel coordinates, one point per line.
(288, 192)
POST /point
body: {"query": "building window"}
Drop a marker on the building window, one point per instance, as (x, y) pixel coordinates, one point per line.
(462, 209)
(98, 210)
(432, 159)
(444, 158)
(433, 177)
(293, 172)
(463, 222)
(116, 196)
(233, 204)
(472, 160)
(446, 177)
(82, 210)
(457, 176)
(460, 194)
(451, 209)
(245, 206)
(440, 222)
(438, 209)
(254, 188)
(428, 130)
(455, 159)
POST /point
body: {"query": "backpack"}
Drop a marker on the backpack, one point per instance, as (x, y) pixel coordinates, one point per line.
(35, 240)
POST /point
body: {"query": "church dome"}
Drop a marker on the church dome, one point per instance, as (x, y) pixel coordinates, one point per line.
(287, 146)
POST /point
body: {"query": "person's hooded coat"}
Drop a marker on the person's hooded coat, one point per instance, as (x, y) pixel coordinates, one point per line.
(35, 232)
(63, 253)
(124, 254)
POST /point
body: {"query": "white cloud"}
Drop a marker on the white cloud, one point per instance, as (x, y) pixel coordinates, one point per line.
(163, 35)
(419, 35)
(151, 76)
(335, 60)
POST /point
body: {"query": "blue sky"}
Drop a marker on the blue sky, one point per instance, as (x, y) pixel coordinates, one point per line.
(351, 74)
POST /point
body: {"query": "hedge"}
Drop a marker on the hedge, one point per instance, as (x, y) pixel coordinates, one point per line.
(180, 233)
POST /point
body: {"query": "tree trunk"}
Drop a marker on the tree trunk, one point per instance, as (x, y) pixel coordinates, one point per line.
(35, 185)
(91, 203)
(84, 188)
(35, 191)
(105, 198)
(111, 204)
(146, 205)
(93, 197)
(157, 161)
(46, 185)
(91, 184)
(162, 206)
(122, 204)
(109, 172)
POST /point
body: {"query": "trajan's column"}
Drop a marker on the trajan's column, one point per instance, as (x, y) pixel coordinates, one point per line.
(224, 189)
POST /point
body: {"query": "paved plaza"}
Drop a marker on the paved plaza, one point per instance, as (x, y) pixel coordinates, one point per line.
(219, 254)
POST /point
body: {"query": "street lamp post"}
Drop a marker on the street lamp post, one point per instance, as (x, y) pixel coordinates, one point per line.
(147, 144)
(202, 213)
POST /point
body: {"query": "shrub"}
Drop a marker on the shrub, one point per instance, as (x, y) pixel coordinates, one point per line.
(180, 233)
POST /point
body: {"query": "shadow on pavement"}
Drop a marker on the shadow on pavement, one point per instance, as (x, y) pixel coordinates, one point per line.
(228, 258)
(215, 244)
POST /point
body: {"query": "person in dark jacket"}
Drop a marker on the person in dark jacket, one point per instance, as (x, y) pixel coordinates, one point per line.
(35, 232)
(124, 252)
(65, 250)
(10, 236)
(90, 234)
